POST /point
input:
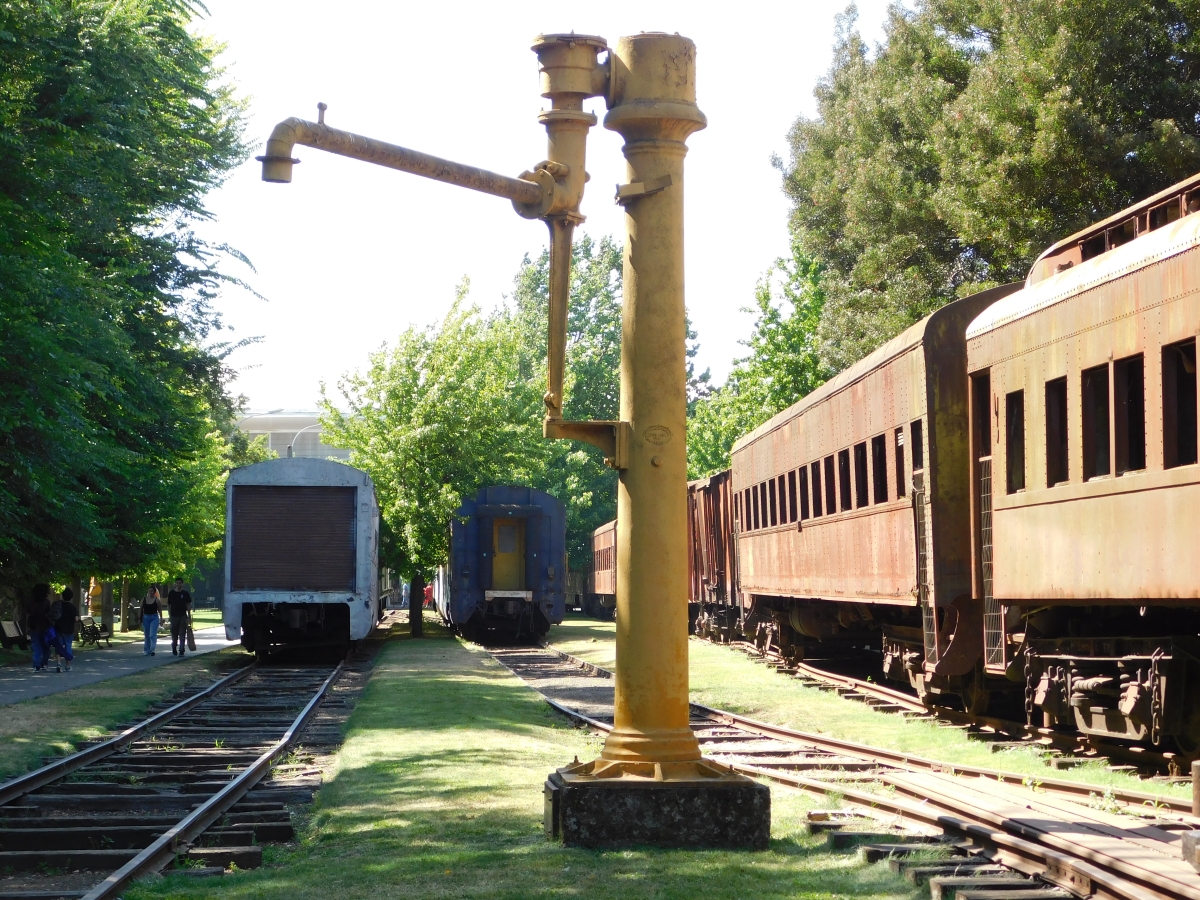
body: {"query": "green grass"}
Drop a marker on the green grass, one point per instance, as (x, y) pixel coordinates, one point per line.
(727, 678)
(437, 793)
(205, 618)
(59, 723)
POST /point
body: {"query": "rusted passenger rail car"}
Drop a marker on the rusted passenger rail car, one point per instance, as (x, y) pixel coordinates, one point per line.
(1004, 498)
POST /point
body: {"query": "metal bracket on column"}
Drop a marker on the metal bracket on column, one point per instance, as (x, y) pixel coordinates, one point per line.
(611, 437)
(627, 192)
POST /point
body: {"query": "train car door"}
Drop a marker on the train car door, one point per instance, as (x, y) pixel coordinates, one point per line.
(508, 555)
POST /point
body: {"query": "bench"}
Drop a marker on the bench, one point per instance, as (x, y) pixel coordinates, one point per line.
(92, 633)
(11, 636)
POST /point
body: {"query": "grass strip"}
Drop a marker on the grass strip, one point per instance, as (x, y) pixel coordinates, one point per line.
(58, 724)
(437, 793)
(726, 677)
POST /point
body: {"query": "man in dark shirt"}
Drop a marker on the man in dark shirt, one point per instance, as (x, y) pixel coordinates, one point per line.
(179, 601)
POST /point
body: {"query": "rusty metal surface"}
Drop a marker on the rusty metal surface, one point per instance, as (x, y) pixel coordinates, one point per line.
(868, 553)
(710, 540)
(1111, 539)
(603, 577)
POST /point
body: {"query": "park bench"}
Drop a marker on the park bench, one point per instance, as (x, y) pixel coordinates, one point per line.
(91, 633)
(11, 635)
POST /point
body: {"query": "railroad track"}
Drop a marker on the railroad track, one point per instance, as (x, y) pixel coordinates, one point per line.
(993, 728)
(191, 784)
(987, 824)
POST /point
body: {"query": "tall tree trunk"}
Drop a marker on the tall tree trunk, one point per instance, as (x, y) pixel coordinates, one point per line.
(106, 608)
(416, 602)
(124, 604)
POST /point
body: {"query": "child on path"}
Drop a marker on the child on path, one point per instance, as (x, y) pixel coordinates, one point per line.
(179, 602)
(151, 613)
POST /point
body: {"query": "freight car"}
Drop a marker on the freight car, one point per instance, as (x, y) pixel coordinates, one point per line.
(301, 551)
(600, 598)
(1086, 489)
(506, 576)
(712, 562)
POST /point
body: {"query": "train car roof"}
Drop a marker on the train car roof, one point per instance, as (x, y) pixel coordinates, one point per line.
(905, 340)
(1145, 250)
(300, 471)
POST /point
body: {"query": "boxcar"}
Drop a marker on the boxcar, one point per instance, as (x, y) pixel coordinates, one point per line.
(600, 599)
(712, 564)
(506, 576)
(852, 510)
(1086, 484)
(301, 549)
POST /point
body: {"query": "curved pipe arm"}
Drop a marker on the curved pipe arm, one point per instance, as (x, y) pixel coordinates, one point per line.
(277, 161)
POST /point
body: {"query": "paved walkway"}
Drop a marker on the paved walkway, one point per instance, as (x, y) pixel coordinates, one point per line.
(19, 683)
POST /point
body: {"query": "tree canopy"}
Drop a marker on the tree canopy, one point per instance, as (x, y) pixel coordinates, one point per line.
(457, 406)
(115, 417)
(978, 133)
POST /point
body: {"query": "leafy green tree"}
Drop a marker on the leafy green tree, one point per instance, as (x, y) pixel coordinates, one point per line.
(115, 122)
(978, 133)
(783, 365)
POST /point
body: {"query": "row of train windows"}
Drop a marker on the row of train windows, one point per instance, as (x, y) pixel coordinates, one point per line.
(602, 559)
(827, 486)
(1124, 419)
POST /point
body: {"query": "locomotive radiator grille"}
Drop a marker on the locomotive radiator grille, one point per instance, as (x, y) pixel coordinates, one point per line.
(993, 619)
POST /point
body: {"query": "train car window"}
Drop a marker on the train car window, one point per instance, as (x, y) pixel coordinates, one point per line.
(1179, 404)
(1056, 431)
(899, 439)
(1094, 396)
(861, 491)
(847, 489)
(917, 430)
(791, 493)
(770, 483)
(879, 468)
(804, 508)
(816, 489)
(1129, 413)
(762, 501)
(1123, 233)
(1014, 441)
(1164, 213)
(981, 413)
(1191, 203)
(1093, 247)
(757, 518)
(830, 487)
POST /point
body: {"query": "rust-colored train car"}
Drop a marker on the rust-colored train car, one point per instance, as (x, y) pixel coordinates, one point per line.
(601, 596)
(712, 564)
(853, 510)
(1086, 487)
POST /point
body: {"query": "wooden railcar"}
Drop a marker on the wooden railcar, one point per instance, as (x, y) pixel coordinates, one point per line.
(852, 509)
(1086, 488)
(600, 598)
(712, 563)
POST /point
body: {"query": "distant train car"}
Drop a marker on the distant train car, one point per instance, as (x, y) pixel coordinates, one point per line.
(853, 509)
(506, 577)
(712, 562)
(1086, 486)
(600, 599)
(301, 551)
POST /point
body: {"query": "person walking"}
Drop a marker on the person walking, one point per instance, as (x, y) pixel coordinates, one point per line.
(151, 614)
(65, 625)
(37, 623)
(179, 602)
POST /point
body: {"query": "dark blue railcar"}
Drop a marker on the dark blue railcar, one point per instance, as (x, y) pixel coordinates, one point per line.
(508, 565)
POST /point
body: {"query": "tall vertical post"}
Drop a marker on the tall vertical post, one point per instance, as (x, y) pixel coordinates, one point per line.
(653, 106)
(650, 785)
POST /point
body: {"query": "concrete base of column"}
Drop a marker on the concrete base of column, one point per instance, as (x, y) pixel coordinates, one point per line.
(732, 812)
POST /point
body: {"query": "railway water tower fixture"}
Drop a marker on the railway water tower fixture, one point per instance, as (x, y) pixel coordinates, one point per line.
(650, 784)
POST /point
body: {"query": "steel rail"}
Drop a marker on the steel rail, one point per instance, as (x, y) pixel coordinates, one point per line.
(911, 761)
(38, 778)
(174, 840)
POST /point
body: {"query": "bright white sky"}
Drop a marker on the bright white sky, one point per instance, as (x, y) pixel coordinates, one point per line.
(350, 254)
